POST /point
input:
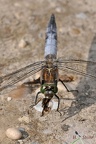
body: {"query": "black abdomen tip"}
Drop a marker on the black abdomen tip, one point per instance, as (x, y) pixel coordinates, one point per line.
(52, 19)
(52, 23)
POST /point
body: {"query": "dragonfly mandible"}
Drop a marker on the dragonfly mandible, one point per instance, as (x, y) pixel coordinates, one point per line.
(49, 68)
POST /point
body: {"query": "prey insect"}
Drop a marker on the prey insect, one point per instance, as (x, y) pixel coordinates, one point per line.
(49, 68)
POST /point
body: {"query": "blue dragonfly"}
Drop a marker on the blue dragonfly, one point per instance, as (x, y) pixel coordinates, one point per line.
(49, 68)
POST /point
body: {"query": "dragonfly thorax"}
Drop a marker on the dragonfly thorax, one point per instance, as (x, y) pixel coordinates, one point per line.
(49, 74)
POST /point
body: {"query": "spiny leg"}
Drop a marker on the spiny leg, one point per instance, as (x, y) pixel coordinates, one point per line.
(58, 104)
(66, 86)
(35, 99)
(42, 113)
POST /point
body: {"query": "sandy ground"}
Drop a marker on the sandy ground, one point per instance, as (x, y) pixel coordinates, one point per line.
(27, 20)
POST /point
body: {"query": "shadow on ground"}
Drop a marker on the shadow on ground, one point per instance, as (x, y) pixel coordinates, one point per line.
(87, 95)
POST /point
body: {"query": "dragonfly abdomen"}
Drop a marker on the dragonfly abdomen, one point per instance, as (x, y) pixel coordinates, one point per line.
(51, 39)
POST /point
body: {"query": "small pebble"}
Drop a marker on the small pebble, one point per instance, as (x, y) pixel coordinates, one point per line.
(9, 99)
(23, 43)
(65, 127)
(24, 133)
(58, 9)
(20, 141)
(13, 133)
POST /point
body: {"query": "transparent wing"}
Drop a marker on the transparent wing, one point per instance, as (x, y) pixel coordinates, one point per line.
(14, 77)
(80, 67)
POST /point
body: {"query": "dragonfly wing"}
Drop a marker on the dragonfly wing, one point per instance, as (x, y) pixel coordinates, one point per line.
(80, 67)
(14, 77)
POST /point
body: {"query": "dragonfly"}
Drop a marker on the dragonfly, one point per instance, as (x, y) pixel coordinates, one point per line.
(49, 68)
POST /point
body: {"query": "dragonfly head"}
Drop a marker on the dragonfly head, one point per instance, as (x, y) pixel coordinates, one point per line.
(49, 90)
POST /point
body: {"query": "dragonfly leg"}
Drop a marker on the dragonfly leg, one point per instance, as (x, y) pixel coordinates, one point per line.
(42, 113)
(58, 104)
(35, 99)
(66, 86)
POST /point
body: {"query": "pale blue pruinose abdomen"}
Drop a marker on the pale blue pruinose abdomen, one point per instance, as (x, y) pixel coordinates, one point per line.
(51, 38)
